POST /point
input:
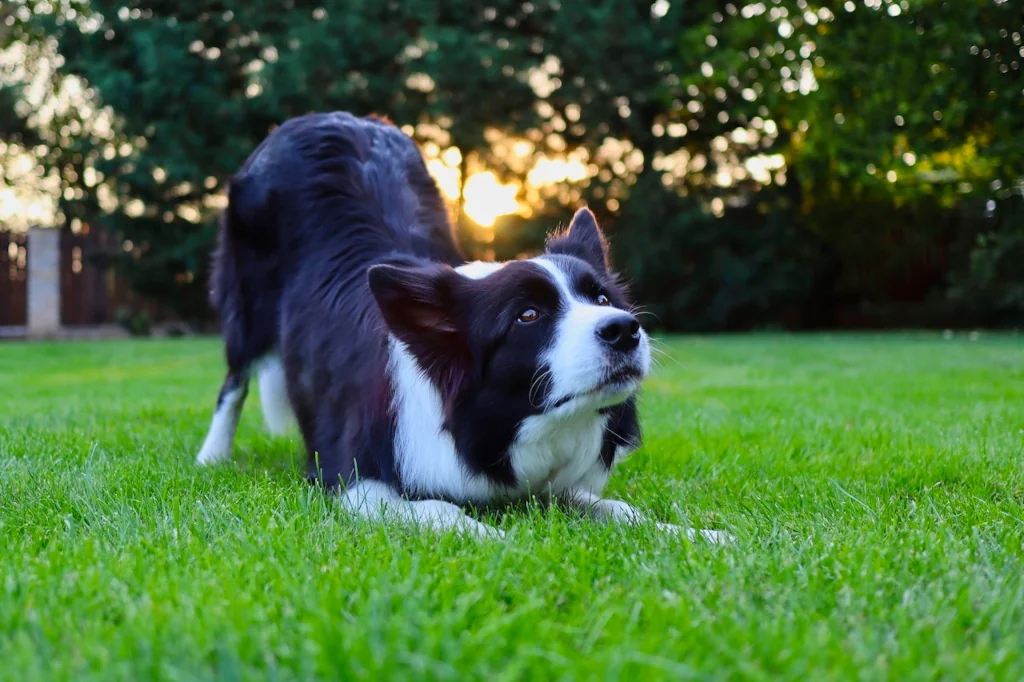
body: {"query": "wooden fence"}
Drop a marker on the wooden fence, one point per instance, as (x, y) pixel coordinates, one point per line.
(13, 278)
(89, 290)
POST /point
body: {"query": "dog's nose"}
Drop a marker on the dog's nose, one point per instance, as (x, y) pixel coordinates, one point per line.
(621, 332)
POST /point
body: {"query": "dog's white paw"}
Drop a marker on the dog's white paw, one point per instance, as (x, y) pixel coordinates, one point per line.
(208, 456)
(714, 537)
(481, 530)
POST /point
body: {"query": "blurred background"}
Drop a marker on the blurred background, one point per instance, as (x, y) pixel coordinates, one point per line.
(775, 164)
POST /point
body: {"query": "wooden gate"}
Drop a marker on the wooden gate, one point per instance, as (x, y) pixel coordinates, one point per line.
(13, 276)
(87, 280)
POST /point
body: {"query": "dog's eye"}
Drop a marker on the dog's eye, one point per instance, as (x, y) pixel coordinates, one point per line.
(603, 300)
(529, 315)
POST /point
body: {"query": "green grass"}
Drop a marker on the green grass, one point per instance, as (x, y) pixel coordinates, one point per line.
(875, 485)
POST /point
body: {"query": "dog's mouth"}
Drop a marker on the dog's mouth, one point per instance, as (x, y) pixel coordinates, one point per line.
(622, 375)
(621, 381)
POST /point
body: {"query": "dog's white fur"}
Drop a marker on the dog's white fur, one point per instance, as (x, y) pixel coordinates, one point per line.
(425, 453)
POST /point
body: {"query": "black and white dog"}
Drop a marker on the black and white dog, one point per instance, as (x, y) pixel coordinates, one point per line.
(419, 381)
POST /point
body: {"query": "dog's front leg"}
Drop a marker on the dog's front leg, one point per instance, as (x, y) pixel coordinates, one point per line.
(376, 500)
(616, 511)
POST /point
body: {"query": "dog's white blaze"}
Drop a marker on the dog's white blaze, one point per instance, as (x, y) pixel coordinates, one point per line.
(277, 411)
(577, 359)
(479, 269)
(425, 453)
(221, 436)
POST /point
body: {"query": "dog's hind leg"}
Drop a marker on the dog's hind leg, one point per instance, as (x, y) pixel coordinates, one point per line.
(221, 436)
(244, 290)
(277, 411)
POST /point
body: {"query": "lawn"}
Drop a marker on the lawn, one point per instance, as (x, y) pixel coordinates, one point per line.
(874, 483)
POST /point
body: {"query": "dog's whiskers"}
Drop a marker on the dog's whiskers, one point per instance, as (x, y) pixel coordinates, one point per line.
(535, 383)
(660, 353)
(639, 310)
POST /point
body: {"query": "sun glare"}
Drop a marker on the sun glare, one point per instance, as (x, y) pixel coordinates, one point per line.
(446, 177)
(487, 199)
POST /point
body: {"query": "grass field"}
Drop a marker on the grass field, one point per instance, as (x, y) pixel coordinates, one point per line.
(875, 485)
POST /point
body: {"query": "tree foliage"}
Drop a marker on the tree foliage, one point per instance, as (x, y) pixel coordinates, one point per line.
(757, 162)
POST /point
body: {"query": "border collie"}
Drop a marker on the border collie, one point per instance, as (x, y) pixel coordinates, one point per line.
(419, 381)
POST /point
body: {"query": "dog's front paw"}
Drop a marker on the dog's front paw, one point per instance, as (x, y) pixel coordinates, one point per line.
(481, 530)
(714, 537)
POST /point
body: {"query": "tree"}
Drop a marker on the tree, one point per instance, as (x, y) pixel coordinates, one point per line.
(782, 109)
(193, 87)
(898, 164)
(760, 142)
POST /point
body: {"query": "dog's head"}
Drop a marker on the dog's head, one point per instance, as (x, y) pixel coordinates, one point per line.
(552, 333)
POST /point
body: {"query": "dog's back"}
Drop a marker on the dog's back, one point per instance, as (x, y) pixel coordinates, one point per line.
(320, 186)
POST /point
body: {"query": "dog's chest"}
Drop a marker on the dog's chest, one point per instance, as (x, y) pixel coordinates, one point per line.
(558, 454)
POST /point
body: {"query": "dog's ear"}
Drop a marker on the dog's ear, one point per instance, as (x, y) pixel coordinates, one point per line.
(583, 239)
(414, 300)
(419, 306)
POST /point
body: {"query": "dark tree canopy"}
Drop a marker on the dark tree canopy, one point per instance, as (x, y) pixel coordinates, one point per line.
(780, 162)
